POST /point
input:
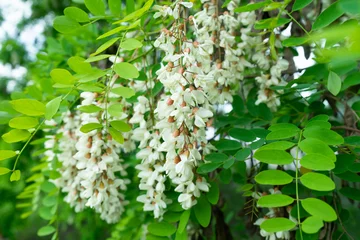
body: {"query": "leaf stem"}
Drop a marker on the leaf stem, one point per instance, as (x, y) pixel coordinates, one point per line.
(297, 184)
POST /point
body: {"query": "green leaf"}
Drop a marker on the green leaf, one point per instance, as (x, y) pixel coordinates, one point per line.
(318, 124)
(277, 225)
(202, 211)
(279, 145)
(93, 75)
(126, 70)
(78, 65)
(317, 162)
(134, 14)
(115, 110)
(105, 46)
(90, 108)
(213, 194)
(184, 219)
(312, 145)
(4, 171)
(5, 154)
(116, 135)
(119, 29)
(299, 4)
(208, 167)
(96, 7)
(23, 122)
(271, 23)
(319, 208)
(294, 41)
(15, 176)
(281, 134)
(77, 14)
(334, 83)
(49, 200)
(45, 231)
(52, 107)
(242, 134)
(131, 44)
(62, 76)
(352, 193)
(65, 25)
(216, 157)
(120, 126)
(124, 92)
(90, 87)
(90, 127)
(251, 7)
(350, 6)
(327, 136)
(47, 186)
(275, 200)
(162, 229)
(328, 16)
(320, 117)
(317, 181)
(226, 144)
(242, 154)
(273, 157)
(273, 177)
(115, 7)
(16, 135)
(97, 58)
(28, 107)
(312, 224)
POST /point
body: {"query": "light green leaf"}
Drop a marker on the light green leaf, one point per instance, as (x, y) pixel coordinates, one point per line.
(4, 171)
(131, 44)
(334, 83)
(318, 124)
(77, 14)
(90, 127)
(126, 70)
(294, 41)
(273, 157)
(284, 126)
(105, 46)
(28, 107)
(184, 219)
(317, 181)
(45, 231)
(328, 16)
(90, 108)
(277, 225)
(273, 177)
(23, 122)
(320, 117)
(115, 110)
(116, 135)
(251, 7)
(52, 107)
(299, 4)
(317, 162)
(312, 224)
(123, 91)
(65, 25)
(120, 126)
(97, 58)
(242, 134)
(162, 229)
(5, 154)
(275, 200)
(15, 176)
(319, 209)
(16, 135)
(281, 134)
(93, 75)
(79, 65)
(89, 87)
(115, 7)
(202, 211)
(119, 29)
(62, 76)
(279, 145)
(96, 7)
(312, 145)
(325, 135)
(135, 14)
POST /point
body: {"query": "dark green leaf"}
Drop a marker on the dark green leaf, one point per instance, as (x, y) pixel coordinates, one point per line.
(216, 157)
(242, 134)
(328, 16)
(161, 229)
(208, 167)
(352, 193)
(242, 154)
(226, 144)
(299, 4)
(203, 211)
